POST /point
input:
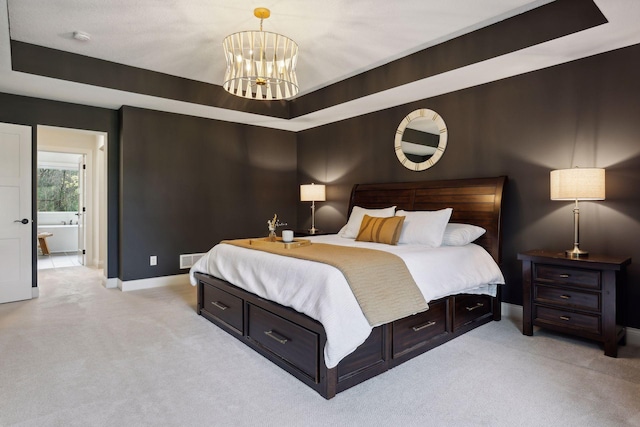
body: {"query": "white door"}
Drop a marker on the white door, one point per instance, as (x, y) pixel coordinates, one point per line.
(15, 213)
(82, 210)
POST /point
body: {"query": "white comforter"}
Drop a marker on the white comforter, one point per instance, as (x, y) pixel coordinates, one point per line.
(321, 292)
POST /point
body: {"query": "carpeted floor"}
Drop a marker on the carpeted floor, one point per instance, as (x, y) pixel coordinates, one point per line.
(83, 355)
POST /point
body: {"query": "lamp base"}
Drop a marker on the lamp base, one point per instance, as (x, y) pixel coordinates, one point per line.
(312, 230)
(576, 253)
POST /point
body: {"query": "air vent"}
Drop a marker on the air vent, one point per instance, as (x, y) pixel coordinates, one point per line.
(187, 260)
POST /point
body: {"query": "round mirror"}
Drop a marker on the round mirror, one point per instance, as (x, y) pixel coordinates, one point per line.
(420, 139)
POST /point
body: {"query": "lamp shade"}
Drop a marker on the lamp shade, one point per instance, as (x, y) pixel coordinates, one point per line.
(577, 184)
(312, 193)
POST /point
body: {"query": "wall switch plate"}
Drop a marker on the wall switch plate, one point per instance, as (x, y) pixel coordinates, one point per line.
(153, 260)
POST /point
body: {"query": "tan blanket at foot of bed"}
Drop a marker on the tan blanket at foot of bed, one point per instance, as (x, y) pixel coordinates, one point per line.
(380, 281)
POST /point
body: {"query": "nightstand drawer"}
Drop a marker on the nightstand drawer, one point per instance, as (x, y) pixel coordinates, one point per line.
(566, 319)
(223, 305)
(582, 278)
(567, 297)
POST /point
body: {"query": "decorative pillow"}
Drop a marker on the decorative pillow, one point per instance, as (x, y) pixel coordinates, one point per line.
(350, 230)
(424, 227)
(461, 234)
(380, 230)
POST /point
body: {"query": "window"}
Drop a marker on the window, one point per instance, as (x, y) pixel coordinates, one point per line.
(57, 190)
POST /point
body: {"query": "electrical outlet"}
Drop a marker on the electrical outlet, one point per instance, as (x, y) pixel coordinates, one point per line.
(153, 260)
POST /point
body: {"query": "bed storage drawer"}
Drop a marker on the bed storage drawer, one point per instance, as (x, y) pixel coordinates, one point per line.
(298, 346)
(468, 308)
(223, 306)
(370, 355)
(418, 329)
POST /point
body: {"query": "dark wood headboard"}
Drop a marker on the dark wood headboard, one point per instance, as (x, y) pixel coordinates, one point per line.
(475, 201)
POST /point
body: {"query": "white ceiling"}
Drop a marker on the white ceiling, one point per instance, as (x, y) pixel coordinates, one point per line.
(337, 39)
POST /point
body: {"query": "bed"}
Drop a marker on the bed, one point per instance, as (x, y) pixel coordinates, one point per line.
(301, 345)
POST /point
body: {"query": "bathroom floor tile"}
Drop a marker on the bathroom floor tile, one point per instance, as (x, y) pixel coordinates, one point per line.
(58, 260)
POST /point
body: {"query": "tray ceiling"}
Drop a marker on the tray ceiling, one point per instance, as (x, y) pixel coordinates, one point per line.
(337, 40)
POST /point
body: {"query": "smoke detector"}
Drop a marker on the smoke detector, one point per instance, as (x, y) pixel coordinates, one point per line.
(82, 36)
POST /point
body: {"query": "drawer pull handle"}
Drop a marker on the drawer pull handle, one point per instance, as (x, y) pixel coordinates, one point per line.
(565, 296)
(220, 305)
(276, 336)
(423, 326)
(565, 276)
(565, 317)
(478, 305)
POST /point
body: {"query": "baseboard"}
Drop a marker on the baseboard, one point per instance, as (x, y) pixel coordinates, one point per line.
(35, 292)
(514, 312)
(111, 283)
(153, 282)
(633, 337)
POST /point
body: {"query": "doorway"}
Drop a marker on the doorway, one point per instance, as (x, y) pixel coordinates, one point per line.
(60, 201)
(75, 228)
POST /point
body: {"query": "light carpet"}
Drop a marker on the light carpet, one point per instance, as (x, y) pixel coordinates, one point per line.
(83, 355)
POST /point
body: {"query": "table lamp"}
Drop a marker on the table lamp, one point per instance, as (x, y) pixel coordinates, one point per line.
(577, 184)
(312, 193)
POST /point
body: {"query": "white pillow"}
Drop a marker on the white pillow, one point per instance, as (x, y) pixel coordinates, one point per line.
(351, 229)
(424, 227)
(461, 234)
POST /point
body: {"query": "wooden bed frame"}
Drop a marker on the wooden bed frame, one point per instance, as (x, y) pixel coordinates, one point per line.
(296, 342)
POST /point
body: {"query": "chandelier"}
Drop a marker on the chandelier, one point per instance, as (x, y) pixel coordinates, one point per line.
(260, 64)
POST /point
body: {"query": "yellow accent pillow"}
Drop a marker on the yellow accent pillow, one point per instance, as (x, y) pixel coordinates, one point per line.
(380, 230)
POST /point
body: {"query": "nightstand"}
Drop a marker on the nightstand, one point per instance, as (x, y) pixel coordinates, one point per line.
(575, 296)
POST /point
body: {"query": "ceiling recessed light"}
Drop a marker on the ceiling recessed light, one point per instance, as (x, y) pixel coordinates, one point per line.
(82, 36)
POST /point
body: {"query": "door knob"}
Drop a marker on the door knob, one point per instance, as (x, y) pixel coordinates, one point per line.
(23, 220)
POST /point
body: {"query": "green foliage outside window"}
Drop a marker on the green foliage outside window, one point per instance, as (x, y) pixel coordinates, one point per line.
(57, 190)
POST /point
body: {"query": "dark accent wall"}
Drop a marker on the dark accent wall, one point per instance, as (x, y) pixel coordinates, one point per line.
(44, 61)
(583, 113)
(179, 184)
(189, 182)
(33, 112)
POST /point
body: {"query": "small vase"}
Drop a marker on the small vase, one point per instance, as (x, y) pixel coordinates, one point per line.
(272, 236)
